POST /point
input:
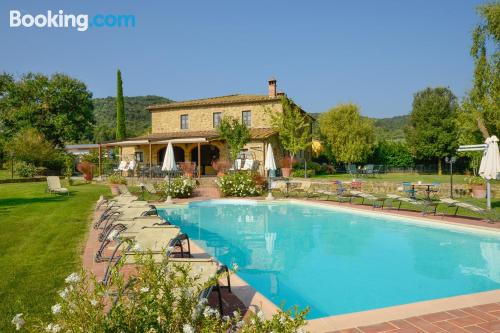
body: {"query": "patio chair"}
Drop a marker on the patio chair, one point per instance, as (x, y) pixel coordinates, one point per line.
(377, 169)
(368, 170)
(434, 190)
(54, 186)
(409, 189)
(488, 215)
(352, 169)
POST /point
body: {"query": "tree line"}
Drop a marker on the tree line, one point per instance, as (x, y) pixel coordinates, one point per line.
(438, 122)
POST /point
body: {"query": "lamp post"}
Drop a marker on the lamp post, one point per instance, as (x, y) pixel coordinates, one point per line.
(450, 161)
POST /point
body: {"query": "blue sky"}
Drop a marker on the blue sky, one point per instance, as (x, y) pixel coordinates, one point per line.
(373, 53)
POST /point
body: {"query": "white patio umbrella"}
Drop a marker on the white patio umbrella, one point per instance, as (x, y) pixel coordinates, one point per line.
(490, 165)
(270, 166)
(169, 166)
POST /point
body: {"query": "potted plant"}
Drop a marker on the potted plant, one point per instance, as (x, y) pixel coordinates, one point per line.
(221, 166)
(477, 186)
(286, 166)
(86, 168)
(114, 180)
(187, 168)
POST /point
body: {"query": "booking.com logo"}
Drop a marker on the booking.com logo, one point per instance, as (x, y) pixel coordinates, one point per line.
(80, 22)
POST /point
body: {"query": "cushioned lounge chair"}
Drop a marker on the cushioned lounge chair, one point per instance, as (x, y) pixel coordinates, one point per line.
(113, 213)
(376, 200)
(427, 207)
(127, 229)
(487, 215)
(162, 244)
(203, 270)
(150, 188)
(54, 186)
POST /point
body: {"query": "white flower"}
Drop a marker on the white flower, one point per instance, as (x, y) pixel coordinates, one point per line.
(72, 278)
(144, 290)
(64, 293)
(54, 328)
(137, 247)
(93, 302)
(187, 328)
(226, 318)
(18, 321)
(235, 266)
(260, 315)
(56, 309)
(282, 319)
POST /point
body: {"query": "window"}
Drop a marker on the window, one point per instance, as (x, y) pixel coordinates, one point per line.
(216, 119)
(139, 156)
(246, 117)
(184, 121)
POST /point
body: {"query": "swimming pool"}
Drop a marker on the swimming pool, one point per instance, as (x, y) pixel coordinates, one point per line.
(340, 261)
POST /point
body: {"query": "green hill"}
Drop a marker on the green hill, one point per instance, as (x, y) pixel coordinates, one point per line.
(391, 128)
(385, 128)
(138, 119)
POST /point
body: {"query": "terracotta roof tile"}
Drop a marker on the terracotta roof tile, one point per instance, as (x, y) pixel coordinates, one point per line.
(222, 100)
(255, 133)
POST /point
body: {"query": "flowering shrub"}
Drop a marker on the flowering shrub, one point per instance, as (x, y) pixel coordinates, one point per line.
(238, 184)
(160, 297)
(180, 187)
(116, 178)
(300, 173)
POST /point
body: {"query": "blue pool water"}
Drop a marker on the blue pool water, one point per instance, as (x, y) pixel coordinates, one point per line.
(338, 261)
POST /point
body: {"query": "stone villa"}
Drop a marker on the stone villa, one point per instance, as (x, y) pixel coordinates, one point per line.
(191, 126)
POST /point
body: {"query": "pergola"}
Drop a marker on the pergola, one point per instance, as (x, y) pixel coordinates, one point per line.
(150, 143)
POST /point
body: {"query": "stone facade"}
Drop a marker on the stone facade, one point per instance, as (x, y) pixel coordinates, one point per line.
(201, 118)
(201, 129)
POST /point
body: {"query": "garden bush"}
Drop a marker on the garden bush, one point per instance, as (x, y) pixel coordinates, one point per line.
(24, 169)
(160, 297)
(239, 184)
(301, 172)
(180, 187)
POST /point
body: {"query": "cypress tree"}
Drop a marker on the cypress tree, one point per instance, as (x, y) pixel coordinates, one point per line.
(120, 109)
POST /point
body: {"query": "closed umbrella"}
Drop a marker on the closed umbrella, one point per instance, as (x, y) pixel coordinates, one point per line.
(490, 165)
(270, 166)
(169, 166)
(270, 163)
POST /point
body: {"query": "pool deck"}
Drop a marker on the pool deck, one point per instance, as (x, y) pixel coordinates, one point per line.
(479, 312)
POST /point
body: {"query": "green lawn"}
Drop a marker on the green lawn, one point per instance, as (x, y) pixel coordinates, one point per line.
(5, 174)
(41, 237)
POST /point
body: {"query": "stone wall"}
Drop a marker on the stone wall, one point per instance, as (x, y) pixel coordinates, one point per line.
(201, 119)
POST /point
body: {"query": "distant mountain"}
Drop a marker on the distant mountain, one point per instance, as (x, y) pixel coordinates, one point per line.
(391, 128)
(385, 128)
(138, 119)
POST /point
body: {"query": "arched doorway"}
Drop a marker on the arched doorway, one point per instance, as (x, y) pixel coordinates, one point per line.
(178, 154)
(209, 153)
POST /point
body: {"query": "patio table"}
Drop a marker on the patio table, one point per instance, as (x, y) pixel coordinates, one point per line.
(427, 187)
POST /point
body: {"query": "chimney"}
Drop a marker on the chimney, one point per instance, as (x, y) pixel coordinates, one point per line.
(272, 87)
